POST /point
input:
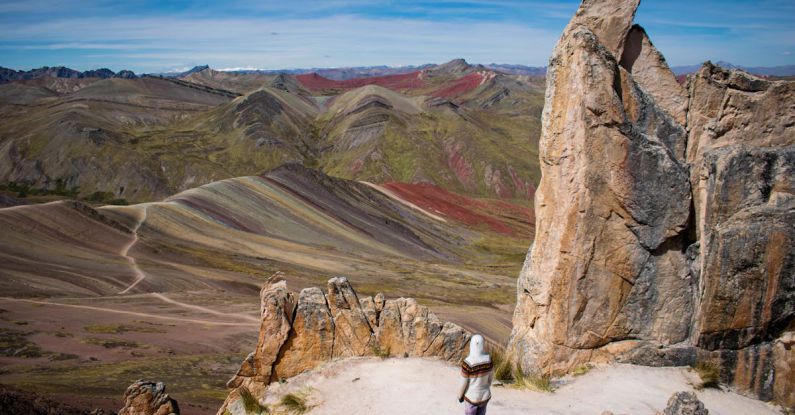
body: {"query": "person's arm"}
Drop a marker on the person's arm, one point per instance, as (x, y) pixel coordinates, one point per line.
(463, 388)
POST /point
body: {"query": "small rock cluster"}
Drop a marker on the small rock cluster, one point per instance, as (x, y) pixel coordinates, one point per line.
(298, 333)
(148, 398)
(685, 403)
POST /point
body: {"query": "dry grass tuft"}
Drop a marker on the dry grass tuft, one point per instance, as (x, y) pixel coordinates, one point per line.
(582, 369)
(540, 383)
(503, 368)
(709, 372)
(295, 403)
(250, 403)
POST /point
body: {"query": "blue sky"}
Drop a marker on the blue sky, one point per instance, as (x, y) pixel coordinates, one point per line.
(153, 36)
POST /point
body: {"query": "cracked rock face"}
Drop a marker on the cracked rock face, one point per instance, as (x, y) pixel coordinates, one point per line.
(148, 398)
(296, 336)
(664, 229)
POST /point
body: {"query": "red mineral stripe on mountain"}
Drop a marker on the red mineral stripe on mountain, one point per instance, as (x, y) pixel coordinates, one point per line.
(462, 209)
(460, 86)
(401, 81)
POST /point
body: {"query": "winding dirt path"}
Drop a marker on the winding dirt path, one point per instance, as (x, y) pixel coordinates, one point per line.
(139, 274)
(130, 313)
(205, 309)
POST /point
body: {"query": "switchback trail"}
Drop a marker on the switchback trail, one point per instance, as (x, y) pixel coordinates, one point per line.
(139, 274)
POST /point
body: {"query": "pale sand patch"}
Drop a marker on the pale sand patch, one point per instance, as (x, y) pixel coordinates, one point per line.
(428, 386)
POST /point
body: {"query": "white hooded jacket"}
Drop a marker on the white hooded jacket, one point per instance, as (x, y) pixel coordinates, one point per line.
(476, 373)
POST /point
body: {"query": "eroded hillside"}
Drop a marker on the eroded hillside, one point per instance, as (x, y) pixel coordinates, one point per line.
(464, 128)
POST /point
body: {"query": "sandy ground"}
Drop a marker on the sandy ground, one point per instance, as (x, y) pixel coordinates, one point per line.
(426, 386)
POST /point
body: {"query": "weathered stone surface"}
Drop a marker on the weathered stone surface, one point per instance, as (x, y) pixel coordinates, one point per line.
(277, 306)
(748, 239)
(148, 398)
(295, 337)
(368, 307)
(733, 107)
(312, 338)
(664, 218)
(609, 20)
(615, 198)
(353, 335)
(685, 403)
(650, 70)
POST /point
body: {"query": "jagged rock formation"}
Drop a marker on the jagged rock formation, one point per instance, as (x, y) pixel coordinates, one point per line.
(300, 333)
(148, 398)
(685, 403)
(664, 215)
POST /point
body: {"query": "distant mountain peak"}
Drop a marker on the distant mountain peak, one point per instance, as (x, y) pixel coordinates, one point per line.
(455, 65)
(9, 75)
(195, 69)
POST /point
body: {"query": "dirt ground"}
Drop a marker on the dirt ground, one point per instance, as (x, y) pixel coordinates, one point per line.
(427, 386)
(87, 351)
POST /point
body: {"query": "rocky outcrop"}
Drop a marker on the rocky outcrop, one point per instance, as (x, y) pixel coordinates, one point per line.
(685, 403)
(664, 215)
(20, 402)
(148, 398)
(300, 334)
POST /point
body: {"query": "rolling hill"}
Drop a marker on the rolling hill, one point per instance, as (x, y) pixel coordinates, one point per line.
(147, 138)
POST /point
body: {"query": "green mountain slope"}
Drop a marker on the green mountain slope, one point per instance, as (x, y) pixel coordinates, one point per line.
(458, 126)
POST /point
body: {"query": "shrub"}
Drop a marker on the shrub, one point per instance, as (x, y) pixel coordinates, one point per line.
(541, 383)
(250, 403)
(503, 368)
(709, 372)
(295, 403)
(582, 369)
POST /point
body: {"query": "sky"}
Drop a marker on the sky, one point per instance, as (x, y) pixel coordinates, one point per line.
(160, 36)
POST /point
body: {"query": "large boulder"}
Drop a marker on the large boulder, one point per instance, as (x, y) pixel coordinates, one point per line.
(664, 216)
(685, 403)
(148, 398)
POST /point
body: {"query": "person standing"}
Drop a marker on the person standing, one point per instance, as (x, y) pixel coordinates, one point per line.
(477, 372)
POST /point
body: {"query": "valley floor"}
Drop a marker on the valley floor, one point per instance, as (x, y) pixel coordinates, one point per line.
(428, 386)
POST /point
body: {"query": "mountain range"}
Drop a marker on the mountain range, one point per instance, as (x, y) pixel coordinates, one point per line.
(8, 75)
(459, 126)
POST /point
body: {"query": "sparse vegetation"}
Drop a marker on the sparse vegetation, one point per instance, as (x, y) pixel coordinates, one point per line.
(105, 198)
(111, 343)
(295, 403)
(250, 403)
(582, 369)
(540, 383)
(16, 344)
(709, 372)
(509, 373)
(120, 328)
(383, 353)
(63, 356)
(25, 190)
(503, 367)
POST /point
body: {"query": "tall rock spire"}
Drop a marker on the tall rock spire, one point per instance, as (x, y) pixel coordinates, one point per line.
(637, 224)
